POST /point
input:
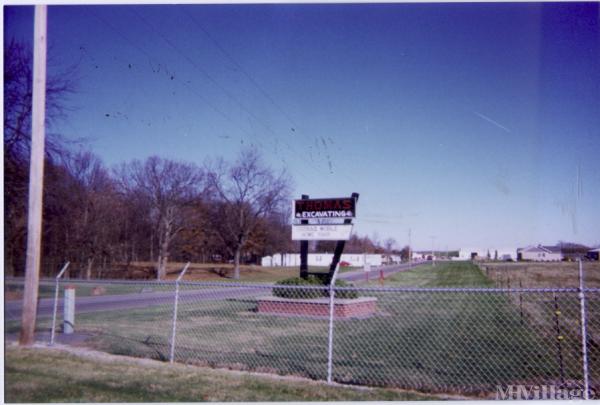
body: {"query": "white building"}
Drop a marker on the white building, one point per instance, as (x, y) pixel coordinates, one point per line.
(491, 253)
(540, 253)
(321, 259)
(420, 255)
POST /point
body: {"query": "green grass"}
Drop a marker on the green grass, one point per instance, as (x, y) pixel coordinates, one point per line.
(44, 375)
(47, 290)
(446, 274)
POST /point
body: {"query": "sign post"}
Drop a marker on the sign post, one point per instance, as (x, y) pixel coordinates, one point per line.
(304, 249)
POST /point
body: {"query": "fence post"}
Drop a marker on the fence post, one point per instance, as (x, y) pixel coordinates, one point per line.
(174, 329)
(69, 310)
(56, 303)
(586, 383)
(330, 337)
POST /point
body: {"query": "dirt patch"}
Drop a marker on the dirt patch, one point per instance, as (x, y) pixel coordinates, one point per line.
(13, 295)
(98, 290)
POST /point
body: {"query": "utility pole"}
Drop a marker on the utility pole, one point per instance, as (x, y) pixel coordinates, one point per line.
(36, 177)
(409, 251)
(432, 255)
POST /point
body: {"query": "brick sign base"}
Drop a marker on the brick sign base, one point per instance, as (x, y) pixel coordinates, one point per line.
(318, 307)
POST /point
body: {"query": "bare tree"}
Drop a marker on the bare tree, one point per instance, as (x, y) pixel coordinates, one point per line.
(388, 245)
(94, 204)
(18, 65)
(247, 193)
(170, 187)
(18, 89)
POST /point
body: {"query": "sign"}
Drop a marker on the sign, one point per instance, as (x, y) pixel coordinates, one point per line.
(325, 208)
(321, 232)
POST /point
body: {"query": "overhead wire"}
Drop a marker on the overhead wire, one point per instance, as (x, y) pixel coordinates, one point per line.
(151, 58)
(241, 69)
(200, 69)
(203, 98)
(227, 92)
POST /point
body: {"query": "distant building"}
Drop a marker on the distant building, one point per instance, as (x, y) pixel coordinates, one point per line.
(540, 253)
(414, 255)
(502, 254)
(594, 254)
(322, 259)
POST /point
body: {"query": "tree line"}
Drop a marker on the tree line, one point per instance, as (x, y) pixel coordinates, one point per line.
(156, 210)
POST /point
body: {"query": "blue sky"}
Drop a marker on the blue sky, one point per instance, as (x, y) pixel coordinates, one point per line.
(478, 124)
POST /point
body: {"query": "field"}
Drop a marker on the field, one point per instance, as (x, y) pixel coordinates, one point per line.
(447, 274)
(442, 342)
(43, 375)
(531, 274)
(13, 289)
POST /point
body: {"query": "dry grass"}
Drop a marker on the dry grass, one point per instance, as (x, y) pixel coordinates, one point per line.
(224, 272)
(542, 275)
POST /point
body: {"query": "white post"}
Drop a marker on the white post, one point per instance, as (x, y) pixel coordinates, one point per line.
(56, 303)
(174, 327)
(36, 178)
(432, 255)
(69, 310)
(586, 382)
(330, 337)
(409, 251)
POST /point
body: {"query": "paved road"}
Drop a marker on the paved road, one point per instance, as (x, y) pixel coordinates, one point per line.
(12, 309)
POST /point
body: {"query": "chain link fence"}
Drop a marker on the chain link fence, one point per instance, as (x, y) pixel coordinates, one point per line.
(449, 340)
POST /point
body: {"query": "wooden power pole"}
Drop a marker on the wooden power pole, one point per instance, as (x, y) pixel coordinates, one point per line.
(36, 177)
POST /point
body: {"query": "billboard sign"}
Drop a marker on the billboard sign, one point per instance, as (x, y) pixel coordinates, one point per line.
(325, 208)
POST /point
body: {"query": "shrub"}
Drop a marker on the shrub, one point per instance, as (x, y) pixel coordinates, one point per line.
(301, 293)
(298, 293)
(345, 294)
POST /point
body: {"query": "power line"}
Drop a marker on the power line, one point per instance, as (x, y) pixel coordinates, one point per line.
(241, 69)
(216, 109)
(203, 71)
(227, 92)
(151, 58)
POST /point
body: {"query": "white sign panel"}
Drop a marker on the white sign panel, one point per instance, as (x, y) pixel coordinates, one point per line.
(321, 232)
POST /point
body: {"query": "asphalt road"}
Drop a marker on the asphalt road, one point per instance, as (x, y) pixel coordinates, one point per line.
(12, 309)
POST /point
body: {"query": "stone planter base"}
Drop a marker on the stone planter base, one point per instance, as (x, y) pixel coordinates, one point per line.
(318, 307)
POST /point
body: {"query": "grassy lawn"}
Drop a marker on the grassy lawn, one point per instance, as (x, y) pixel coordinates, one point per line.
(47, 290)
(45, 375)
(536, 274)
(446, 274)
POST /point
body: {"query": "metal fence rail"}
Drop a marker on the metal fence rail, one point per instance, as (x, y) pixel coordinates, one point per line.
(452, 340)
